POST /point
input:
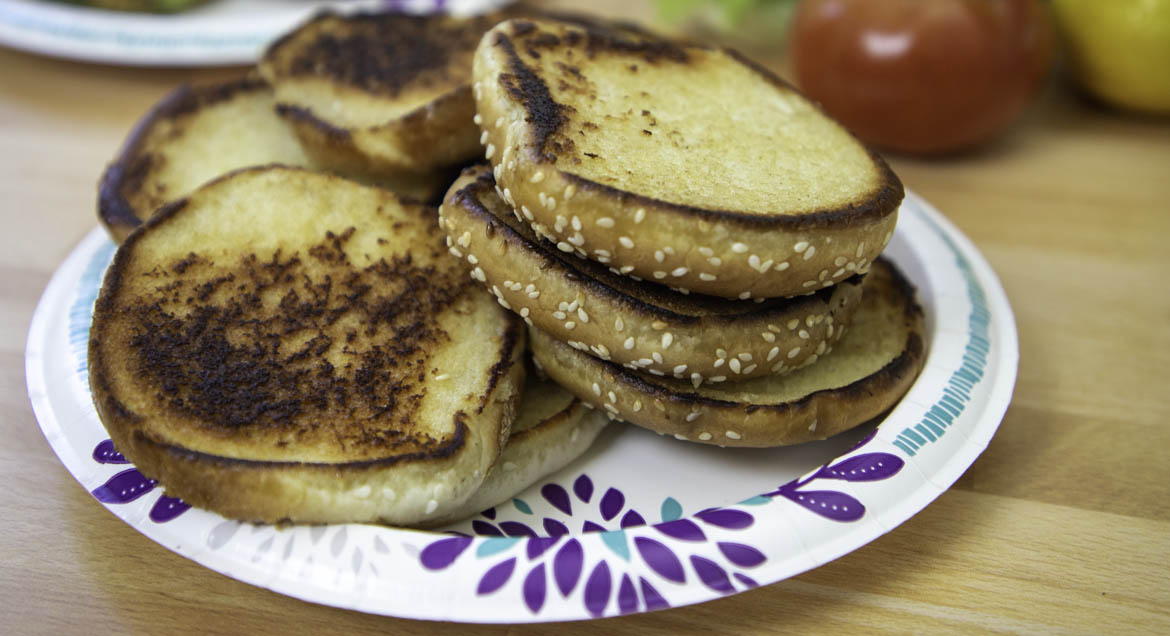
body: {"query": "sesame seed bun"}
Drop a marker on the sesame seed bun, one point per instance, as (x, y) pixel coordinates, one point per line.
(864, 375)
(640, 325)
(682, 163)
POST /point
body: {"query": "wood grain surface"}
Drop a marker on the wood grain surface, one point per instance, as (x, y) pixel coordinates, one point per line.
(1061, 526)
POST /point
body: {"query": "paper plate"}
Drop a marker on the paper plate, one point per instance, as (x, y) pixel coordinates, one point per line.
(642, 522)
(223, 32)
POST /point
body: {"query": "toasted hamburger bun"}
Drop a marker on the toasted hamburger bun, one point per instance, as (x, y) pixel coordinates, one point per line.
(198, 133)
(283, 345)
(864, 375)
(639, 325)
(194, 134)
(684, 163)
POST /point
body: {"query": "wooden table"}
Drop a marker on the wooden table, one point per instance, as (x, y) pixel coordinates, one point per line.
(1062, 525)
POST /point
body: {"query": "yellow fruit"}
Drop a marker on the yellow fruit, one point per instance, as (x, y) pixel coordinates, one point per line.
(1119, 50)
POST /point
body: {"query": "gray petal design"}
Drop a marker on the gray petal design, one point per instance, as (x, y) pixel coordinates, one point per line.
(221, 534)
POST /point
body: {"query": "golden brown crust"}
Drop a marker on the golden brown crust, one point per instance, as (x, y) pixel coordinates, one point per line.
(639, 325)
(407, 75)
(129, 190)
(215, 370)
(724, 251)
(873, 366)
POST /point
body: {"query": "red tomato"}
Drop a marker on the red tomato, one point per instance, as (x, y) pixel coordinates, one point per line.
(922, 76)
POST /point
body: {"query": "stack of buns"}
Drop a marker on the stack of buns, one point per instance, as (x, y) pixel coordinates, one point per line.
(687, 236)
(293, 331)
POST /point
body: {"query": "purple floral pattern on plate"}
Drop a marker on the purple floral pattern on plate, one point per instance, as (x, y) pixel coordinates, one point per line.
(129, 485)
(555, 562)
(512, 548)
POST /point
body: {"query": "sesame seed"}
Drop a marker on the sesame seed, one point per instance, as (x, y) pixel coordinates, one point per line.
(840, 261)
(811, 359)
(707, 277)
(809, 252)
(473, 259)
(570, 325)
(704, 436)
(500, 122)
(794, 323)
(637, 405)
(570, 190)
(838, 273)
(667, 339)
(829, 333)
(821, 348)
(658, 325)
(455, 252)
(626, 243)
(680, 437)
(605, 222)
(749, 368)
(823, 274)
(810, 321)
(478, 119)
(803, 334)
(655, 372)
(715, 261)
(550, 203)
(678, 370)
(775, 351)
(745, 295)
(491, 150)
(612, 397)
(659, 255)
(478, 275)
(691, 417)
(577, 239)
(739, 248)
(721, 353)
(576, 223)
(582, 315)
(611, 408)
(746, 357)
(781, 266)
(735, 365)
(706, 251)
(718, 363)
(527, 212)
(524, 311)
(504, 303)
(596, 389)
(696, 379)
(732, 434)
(754, 262)
(768, 336)
(536, 177)
(645, 362)
(850, 266)
(629, 343)
(432, 505)
(808, 283)
(860, 249)
(679, 271)
(442, 376)
(659, 274)
(639, 215)
(564, 247)
(657, 357)
(795, 351)
(618, 324)
(777, 367)
(483, 137)
(800, 246)
(812, 427)
(626, 269)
